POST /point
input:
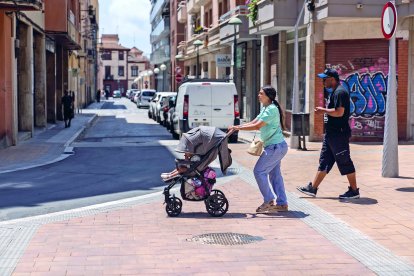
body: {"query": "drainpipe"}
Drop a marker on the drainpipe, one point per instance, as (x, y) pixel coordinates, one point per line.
(294, 140)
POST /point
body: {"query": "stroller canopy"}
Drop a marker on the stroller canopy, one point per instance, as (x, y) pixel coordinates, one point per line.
(202, 140)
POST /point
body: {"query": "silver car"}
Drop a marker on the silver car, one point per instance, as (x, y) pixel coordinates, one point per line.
(145, 97)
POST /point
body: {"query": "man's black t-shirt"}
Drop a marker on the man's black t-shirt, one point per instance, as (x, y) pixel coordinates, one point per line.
(338, 98)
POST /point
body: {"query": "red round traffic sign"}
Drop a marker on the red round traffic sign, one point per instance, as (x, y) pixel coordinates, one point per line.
(178, 78)
(389, 20)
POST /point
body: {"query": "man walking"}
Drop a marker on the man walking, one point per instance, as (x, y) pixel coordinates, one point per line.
(67, 103)
(335, 147)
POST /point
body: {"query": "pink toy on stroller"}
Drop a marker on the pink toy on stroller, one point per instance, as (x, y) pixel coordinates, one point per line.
(204, 144)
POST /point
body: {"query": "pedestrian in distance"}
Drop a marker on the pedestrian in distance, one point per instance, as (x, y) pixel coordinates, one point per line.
(106, 94)
(98, 95)
(271, 124)
(335, 145)
(67, 104)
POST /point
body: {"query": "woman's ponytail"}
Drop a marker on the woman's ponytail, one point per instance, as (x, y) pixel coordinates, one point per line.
(271, 93)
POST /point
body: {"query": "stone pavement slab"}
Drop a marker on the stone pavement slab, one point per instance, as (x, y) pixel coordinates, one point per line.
(142, 240)
(385, 210)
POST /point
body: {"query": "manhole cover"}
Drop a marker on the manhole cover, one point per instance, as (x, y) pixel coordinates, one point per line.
(225, 239)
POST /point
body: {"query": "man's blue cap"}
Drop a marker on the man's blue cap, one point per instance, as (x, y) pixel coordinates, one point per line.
(329, 73)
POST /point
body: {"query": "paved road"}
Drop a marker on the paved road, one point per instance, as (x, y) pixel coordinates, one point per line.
(118, 157)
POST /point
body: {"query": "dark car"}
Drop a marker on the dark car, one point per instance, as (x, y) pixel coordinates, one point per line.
(168, 115)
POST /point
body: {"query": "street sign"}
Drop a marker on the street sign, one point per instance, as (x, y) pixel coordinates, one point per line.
(389, 20)
(178, 78)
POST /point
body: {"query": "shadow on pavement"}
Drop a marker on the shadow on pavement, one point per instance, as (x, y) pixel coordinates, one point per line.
(359, 201)
(288, 214)
(205, 215)
(406, 189)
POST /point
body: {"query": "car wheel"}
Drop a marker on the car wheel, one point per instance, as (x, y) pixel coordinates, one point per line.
(175, 135)
(149, 113)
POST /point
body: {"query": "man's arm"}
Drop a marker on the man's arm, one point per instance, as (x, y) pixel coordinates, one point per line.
(334, 112)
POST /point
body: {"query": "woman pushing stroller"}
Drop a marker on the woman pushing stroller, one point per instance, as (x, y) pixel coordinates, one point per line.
(270, 122)
(200, 146)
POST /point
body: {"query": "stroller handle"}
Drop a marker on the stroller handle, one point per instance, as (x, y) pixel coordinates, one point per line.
(230, 132)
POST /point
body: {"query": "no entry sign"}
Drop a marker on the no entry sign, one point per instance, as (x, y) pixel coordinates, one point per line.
(389, 20)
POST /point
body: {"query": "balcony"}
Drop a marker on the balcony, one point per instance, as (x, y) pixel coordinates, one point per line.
(405, 9)
(22, 5)
(63, 26)
(160, 31)
(161, 55)
(242, 31)
(202, 2)
(274, 16)
(192, 7)
(182, 12)
(214, 37)
(336, 9)
(157, 9)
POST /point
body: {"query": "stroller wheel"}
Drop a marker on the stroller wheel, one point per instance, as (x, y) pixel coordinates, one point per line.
(215, 192)
(217, 204)
(174, 206)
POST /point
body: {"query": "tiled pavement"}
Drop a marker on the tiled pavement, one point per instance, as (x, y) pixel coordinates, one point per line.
(139, 239)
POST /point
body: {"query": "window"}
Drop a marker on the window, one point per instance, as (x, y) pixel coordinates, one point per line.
(121, 55)
(106, 55)
(134, 71)
(107, 72)
(120, 70)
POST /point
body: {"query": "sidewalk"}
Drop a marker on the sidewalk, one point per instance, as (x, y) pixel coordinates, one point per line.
(47, 146)
(318, 236)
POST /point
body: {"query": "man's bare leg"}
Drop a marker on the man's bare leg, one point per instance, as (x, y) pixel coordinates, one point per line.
(352, 181)
(320, 175)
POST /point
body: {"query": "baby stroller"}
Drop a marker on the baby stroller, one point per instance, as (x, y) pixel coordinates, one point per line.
(205, 143)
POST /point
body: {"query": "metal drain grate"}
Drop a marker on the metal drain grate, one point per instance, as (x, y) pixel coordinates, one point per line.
(225, 239)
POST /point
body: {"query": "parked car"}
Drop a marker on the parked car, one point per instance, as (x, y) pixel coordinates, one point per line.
(160, 105)
(145, 97)
(208, 103)
(130, 92)
(154, 104)
(135, 96)
(169, 113)
(116, 94)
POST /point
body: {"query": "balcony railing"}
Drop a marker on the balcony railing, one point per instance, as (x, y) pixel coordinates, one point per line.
(239, 10)
(273, 16)
(22, 4)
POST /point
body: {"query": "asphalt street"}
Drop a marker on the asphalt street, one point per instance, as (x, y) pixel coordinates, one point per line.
(120, 156)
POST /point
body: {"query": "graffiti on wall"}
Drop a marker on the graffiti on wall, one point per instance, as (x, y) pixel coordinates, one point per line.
(367, 88)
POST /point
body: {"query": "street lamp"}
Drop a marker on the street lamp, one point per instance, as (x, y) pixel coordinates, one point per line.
(235, 22)
(197, 44)
(150, 73)
(163, 67)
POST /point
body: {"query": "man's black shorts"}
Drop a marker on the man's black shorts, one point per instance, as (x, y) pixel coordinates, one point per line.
(335, 148)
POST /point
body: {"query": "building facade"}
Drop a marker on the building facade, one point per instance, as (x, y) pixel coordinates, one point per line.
(39, 44)
(347, 37)
(160, 42)
(137, 63)
(210, 44)
(22, 97)
(261, 49)
(113, 69)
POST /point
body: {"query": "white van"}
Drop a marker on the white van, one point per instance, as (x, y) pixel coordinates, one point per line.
(206, 103)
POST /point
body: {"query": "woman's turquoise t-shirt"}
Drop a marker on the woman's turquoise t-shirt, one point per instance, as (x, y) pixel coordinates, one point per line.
(271, 133)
